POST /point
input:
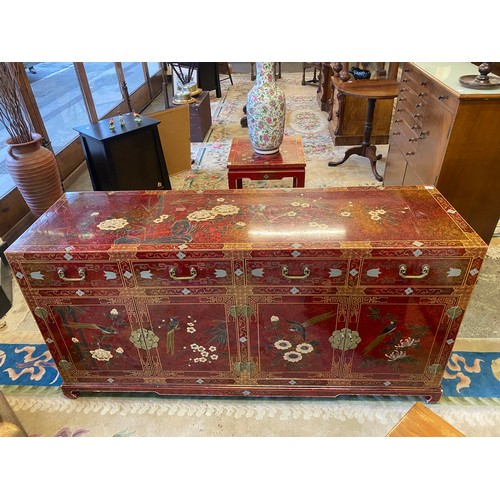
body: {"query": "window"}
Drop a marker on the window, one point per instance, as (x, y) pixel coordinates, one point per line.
(104, 85)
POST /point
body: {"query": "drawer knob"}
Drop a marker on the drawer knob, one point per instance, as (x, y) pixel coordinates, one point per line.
(442, 97)
(423, 82)
(417, 115)
(284, 272)
(62, 274)
(396, 133)
(403, 98)
(409, 153)
(402, 272)
(173, 275)
(398, 120)
(419, 105)
(413, 139)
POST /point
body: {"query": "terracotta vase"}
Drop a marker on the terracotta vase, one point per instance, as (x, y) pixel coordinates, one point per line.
(265, 111)
(33, 169)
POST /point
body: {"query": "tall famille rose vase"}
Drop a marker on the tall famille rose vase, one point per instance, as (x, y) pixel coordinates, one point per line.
(265, 111)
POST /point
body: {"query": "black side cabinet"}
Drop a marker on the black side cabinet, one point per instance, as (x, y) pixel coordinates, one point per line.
(129, 157)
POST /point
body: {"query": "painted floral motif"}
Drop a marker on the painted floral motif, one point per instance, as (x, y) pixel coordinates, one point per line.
(201, 215)
(391, 343)
(344, 339)
(289, 344)
(101, 354)
(144, 339)
(112, 224)
(382, 215)
(225, 210)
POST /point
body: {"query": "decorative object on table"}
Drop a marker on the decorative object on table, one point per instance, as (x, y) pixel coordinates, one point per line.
(137, 118)
(193, 89)
(266, 111)
(183, 96)
(481, 81)
(33, 167)
(360, 74)
(122, 120)
(111, 124)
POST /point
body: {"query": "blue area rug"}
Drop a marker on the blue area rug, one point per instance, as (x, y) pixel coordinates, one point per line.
(468, 374)
(29, 364)
(472, 375)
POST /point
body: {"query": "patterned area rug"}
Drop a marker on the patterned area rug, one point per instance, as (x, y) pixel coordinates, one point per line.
(471, 403)
(303, 117)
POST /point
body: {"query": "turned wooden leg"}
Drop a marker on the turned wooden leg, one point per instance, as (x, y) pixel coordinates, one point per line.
(358, 150)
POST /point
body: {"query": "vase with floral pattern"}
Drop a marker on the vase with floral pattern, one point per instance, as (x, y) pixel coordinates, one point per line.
(265, 111)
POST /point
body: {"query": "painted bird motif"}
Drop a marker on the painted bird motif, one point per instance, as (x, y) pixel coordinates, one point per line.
(173, 324)
(300, 328)
(104, 329)
(385, 332)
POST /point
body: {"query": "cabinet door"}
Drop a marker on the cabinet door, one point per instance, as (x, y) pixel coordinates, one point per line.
(290, 338)
(433, 141)
(395, 167)
(95, 339)
(195, 338)
(400, 340)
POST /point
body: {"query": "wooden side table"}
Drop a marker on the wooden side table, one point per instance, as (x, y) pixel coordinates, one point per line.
(243, 162)
(422, 422)
(371, 90)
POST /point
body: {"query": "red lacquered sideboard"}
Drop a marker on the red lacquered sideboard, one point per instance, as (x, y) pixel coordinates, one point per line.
(289, 292)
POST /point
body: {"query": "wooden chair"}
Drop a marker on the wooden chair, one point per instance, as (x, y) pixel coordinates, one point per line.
(225, 69)
(317, 68)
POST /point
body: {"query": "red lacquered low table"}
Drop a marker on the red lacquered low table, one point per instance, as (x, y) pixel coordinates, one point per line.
(244, 163)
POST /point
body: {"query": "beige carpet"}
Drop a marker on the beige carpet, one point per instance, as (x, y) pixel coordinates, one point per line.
(46, 412)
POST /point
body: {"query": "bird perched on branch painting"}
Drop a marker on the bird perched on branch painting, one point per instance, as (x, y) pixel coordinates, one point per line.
(300, 328)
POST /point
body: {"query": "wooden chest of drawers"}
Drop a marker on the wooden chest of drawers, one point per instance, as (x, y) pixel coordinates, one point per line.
(293, 292)
(445, 135)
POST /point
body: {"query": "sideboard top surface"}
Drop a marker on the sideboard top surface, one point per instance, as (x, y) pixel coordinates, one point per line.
(449, 74)
(405, 217)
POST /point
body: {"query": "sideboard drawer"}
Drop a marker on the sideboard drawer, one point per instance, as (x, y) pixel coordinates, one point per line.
(414, 272)
(183, 273)
(72, 274)
(443, 95)
(304, 271)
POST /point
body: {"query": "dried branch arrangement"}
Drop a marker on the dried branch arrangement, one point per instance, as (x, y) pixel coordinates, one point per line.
(183, 78)
(13, 113)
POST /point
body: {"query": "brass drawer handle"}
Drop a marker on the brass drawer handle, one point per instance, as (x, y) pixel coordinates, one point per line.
(284, 272)
(192, 270)
(81, 274)
(425, 271)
